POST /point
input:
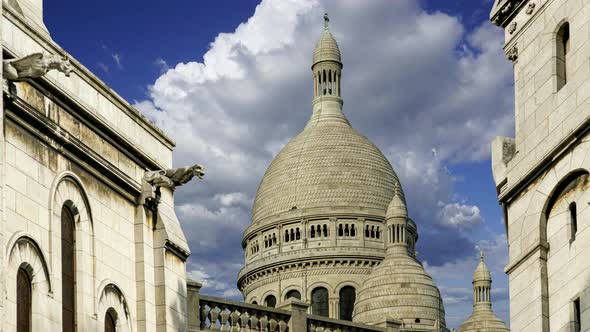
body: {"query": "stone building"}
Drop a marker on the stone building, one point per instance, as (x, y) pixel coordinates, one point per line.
(87, 241)
(483, 318)
(542, 173)
(321, 223)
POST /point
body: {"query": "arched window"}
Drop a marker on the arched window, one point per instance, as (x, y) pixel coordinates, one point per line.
(274, 239)
(254, 302)
(367, 233)
(330, 82)
(292, 235)
(270, 301)
(346, 231)
(110, 321)
(340, 230)
(319, 302)
(68, 269)
(573, 221)
(24, 301)
(377, 235)
(352, 230)
(325, 230)
(297, 234)
(312, 232)
(372, 232)
(347, 298)
(293, 294)
(287, 235)
(563, 47)
(324, 83)
(319, 230)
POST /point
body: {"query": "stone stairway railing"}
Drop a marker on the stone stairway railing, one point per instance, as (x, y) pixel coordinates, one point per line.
(207, 313)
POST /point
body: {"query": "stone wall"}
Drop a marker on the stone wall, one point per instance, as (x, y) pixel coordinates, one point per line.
(71, 141)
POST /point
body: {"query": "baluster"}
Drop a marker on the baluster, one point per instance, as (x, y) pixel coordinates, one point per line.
(213, 315)
(224, 326)
(244, 317)
(204, 315)
(273, 325)
(311, 327)
(254, 323)
(235, 321)
(319, 329)
(282, 326)
(264, 324)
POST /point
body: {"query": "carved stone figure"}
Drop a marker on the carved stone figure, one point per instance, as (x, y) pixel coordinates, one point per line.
(174, 177)
(33, 66)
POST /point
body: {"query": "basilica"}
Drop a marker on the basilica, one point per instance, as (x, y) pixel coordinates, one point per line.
(90, 241)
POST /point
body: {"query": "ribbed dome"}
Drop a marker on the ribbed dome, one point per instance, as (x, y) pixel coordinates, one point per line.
(397, 207)
(329, 165)
(482, 273)
(326, 49)
(399, 288)
(483, 321)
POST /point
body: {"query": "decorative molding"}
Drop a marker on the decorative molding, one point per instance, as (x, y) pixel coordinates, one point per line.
(512, 27)
(512, 54)
(505, 10)
(530, 8)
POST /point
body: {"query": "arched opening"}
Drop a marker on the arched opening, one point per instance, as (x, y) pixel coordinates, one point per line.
(110, 320)
(324, 83)
(563, 47)
(270, 301)
(274, 239)
(24, 301)
(330, 82)
(347, 298)
(254, 302)
(340, 230)
(346, 231)
(286, 235)
(297, 234)
(573, 221)
(293, 294)
(325, 230)
(377, 235)
(68, 270)
(312, 232)
(367, 233)
(352, 231)
(319, 302)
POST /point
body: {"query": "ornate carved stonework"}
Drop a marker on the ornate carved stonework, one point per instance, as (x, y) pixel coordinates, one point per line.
(513, 54)
(530, 8)
(33, 66)
(505, 9)
(512, 27)
(167, 178)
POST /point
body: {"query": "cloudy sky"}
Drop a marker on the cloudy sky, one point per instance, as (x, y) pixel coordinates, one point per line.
(426, 81)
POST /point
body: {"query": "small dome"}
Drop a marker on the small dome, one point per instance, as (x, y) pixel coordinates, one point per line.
(327, 47)
(482, 273)
(393, 289)
(397, 207)
(483, 321)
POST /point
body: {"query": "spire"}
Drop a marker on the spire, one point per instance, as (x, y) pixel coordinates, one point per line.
(481, 256)
(327, 72)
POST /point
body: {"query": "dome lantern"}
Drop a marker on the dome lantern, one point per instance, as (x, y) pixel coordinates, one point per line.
(327, 65)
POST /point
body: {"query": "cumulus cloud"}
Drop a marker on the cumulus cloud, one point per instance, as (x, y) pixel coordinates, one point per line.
(460, 216)
(427, 92)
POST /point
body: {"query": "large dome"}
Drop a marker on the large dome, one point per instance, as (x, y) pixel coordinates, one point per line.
(329, 164)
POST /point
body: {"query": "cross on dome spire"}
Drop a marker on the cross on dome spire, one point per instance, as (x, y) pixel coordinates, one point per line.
(481, 255)
(326, 21)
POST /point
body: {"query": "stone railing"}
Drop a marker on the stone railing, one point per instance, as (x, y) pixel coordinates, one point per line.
(207, 313)
(224, 315)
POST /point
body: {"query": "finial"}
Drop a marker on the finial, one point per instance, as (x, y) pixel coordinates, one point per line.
(481, 256)
(326, 21)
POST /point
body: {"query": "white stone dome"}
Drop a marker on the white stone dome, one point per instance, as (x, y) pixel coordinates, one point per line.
(399, 288)
(328, 165)
(326, 49)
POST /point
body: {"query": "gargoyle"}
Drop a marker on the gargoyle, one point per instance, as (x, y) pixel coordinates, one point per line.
(33, 66)
(174, 177)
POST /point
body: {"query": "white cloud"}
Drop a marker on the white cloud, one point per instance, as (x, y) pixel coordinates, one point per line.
(118, 60)
(460, 216)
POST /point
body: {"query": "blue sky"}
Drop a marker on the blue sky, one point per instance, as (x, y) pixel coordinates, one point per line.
(229, 80)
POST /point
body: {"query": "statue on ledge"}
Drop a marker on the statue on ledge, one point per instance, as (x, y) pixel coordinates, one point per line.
(168, 178)
(33, 66)
(174, 177)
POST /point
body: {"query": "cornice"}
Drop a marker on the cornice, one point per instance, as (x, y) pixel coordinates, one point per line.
(45, 40)
(505, 10)
(27, 117)
(316, 266)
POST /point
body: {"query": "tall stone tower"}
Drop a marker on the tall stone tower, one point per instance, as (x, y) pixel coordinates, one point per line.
(541, 174)
(483, 318)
